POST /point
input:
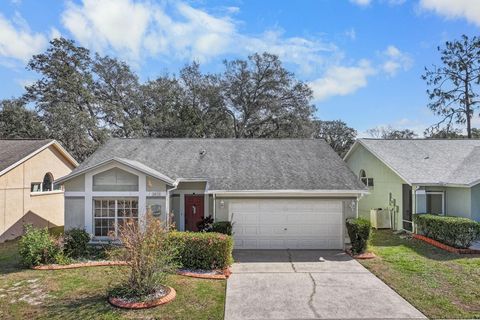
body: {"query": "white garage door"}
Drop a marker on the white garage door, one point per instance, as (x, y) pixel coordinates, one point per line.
(287, 223)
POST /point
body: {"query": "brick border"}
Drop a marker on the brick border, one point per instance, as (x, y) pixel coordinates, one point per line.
(362, 256)
(80, 265)
(443, 246)
(221, 275)
(120, 303)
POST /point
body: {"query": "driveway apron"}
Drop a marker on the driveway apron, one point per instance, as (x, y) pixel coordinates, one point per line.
(309, 284)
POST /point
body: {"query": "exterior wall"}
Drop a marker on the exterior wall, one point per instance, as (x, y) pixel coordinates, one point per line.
(150, 192)
(192, 186)
(74, 213)
(475, 210)
(18, 206)
(155, 185)
(75, 184)
(458, 200)
(385, 182)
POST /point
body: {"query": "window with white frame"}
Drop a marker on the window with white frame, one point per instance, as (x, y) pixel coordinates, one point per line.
(110, 214)
(366, 181)
(430, 202)
(46, 185)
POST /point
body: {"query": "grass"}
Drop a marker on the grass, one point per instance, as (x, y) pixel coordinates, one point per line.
(81, 293)
(438, 283)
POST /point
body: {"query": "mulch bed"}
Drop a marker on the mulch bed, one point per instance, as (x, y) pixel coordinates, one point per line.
(206, 274)
(80, 265)
(127, 304)
(362, 256)
(445, 247)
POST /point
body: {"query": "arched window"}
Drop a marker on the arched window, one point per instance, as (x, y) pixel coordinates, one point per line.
(47, 184)
(362, 174)
(366, 181)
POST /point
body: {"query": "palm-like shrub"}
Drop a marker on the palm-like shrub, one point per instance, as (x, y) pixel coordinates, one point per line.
(149, 257)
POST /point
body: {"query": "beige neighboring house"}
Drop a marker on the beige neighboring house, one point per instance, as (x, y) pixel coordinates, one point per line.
(27, 193)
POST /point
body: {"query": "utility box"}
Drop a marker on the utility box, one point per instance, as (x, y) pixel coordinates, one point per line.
(380, 219)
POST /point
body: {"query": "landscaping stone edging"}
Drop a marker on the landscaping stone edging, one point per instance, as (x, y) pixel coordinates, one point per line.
(120, 303)
(362, 256)
(443, 246)
(221, 276)
(80, 265)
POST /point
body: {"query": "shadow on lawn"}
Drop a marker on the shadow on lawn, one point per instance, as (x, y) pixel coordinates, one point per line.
(386, 238)
(88, 307)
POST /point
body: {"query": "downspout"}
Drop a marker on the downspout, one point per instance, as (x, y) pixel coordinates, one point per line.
(214, 207)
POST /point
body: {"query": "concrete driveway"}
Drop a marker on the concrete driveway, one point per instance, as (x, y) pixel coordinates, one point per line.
(295, 284)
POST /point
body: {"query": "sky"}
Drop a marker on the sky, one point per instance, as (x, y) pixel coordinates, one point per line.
(362, 58)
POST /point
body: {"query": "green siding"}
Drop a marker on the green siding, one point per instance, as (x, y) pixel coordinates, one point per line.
(476, 202)
(385, 181)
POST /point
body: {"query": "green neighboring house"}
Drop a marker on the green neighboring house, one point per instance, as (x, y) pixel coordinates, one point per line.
(418, 176)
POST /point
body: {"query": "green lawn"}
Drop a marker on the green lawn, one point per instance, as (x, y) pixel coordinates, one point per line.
(439, 284)
(81, 293)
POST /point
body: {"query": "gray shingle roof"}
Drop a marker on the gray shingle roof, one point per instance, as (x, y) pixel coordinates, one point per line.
(429, 161)
(14, 150)
(237, 164)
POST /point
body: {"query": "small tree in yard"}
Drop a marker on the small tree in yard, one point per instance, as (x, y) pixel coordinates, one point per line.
(455, 90)
(149, 257)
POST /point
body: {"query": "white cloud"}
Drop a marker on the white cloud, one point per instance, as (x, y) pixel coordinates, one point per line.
(120, 24)
(468, 9)
(395, 60)
(341, 80)
(17, 41)
(361, 2)
(137, 29)
(232, 9)
(351, 33)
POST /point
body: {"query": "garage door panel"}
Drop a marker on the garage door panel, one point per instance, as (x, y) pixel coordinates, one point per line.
(269, 218)
(287, 223)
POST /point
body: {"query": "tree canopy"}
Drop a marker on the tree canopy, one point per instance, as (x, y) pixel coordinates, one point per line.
(81, 98)
(454, 86)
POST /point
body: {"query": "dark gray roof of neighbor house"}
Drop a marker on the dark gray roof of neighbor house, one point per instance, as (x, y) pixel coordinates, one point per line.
(430, 161)
(14, 150)
(236, 164)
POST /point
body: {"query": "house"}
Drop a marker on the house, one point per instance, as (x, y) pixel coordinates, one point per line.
(279, 193)
(27, 194)
(418, 176)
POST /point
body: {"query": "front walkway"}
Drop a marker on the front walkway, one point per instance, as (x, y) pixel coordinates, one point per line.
(296, 284)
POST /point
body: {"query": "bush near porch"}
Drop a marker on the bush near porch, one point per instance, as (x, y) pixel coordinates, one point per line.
(453, 231)
(202, 250)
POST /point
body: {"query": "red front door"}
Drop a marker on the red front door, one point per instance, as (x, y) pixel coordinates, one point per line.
(193, 211)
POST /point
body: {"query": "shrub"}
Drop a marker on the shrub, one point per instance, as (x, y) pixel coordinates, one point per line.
(453, 231)
(37, 247)
(199, 250)
(76, 243)
(149, 257)
(224, 227)
(205, 225)
(359, 231)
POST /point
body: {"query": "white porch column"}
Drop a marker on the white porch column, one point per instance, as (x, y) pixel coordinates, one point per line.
(142, 199)
(182, 211)
(206, 205)
(88, 215)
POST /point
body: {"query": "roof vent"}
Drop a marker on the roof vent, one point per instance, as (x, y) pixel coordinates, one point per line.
(202, 152)
(426, 157)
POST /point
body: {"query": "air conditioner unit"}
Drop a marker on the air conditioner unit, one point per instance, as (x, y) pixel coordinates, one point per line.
(380, 219)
